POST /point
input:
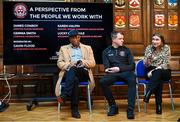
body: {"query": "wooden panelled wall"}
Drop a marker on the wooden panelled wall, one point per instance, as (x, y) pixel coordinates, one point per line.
(136, 39)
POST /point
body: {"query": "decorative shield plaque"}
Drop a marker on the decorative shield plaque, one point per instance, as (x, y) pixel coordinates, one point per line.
(159, 4)
(172, 3)
(159, 20)
(172, 20)
(120, 3)
(134, 20)
(134, 3)
(120, 21)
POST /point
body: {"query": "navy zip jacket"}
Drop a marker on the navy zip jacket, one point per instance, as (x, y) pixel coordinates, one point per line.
(118, 57)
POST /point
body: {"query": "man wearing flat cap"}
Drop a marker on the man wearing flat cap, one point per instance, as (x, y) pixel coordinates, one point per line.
(75, 62)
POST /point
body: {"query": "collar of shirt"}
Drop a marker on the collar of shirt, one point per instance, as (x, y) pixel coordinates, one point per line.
(153, 48)
(120, 47)
(75, 47)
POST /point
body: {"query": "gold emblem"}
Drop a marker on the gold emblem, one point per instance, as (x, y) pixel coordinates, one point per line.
(159, 2)
(120, 3)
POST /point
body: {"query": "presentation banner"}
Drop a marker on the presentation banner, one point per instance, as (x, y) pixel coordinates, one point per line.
(35, 31)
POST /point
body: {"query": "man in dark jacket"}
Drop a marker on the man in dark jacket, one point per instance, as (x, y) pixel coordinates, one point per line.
(119, 65)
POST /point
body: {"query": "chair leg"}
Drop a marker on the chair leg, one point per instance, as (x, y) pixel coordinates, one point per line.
(59, 104)
(89, 99)
(59, 107)
(145, 104)
(137, 97)
(171, 96)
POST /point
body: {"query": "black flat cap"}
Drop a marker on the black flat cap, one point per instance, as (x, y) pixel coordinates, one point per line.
(73, 33)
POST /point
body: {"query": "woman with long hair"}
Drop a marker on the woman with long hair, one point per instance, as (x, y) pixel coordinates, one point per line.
(156, 60)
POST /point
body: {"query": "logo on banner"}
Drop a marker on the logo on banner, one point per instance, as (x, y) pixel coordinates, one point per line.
(159, 20)
(134, 3)
(20, 10)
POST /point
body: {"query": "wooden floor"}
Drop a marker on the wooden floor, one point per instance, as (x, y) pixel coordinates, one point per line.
(48, 112)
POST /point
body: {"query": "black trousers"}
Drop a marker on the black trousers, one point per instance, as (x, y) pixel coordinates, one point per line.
(129, 77)
(156, 83)
(72, 78)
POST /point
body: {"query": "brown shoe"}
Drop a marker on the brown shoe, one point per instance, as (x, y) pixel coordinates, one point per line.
(60, 100)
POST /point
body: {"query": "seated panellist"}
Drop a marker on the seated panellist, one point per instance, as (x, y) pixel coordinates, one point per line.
(75, 61)
(119, 65)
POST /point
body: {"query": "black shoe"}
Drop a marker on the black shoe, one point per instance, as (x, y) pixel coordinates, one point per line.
(147, 96)
(130, 115)
(178, 120)
(158, 109)
(113, 110)
(76, 114)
